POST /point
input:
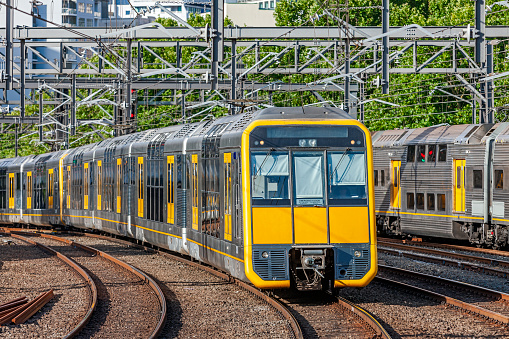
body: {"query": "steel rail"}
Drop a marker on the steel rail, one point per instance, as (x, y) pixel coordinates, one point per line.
(294, 325)
(446, 246)
(365, 316)
(75, 267)
(446, 262)
(495, 295)
(155, 287)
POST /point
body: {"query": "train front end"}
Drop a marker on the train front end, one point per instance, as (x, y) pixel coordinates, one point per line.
(308, 204)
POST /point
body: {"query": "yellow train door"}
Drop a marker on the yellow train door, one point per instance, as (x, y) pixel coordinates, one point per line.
(170, 192)
(99, 184)
(459, 185)
(141, 187)
(395, 184)
(29, 190)
(119, 185)
(228, 196)
(194, 189)
(50, 188)
(86, 185)
(11, 190)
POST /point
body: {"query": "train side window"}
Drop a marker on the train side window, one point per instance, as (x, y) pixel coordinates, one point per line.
(410, 155)
(431, 201)
(395, 176)
(499, 179)
(477, 178)
(410, 203)
(432, 153)
(376, 177)
(421, 153)
(442, 153)
(419, 201)
(382, 178)
(441, 202)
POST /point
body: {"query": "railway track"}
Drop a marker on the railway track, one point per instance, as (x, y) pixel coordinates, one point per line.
(294, 327)
(481, 301)
(490, 266)
(122, 291)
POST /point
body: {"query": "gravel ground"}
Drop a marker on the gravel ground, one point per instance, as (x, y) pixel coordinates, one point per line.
(406, 315)
(448, 272)
(28, 270)
(200, 305)
(320, 316)
(126, 308)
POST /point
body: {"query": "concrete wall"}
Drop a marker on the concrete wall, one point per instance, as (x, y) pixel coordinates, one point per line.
(249, 14)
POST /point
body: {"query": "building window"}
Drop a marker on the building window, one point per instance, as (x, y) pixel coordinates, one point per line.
(127, 12)
(421, 153)
(272, 4)
(442, 153)
(382, 178)
(431, 202)
(81, 22)
(90, 22)
(419, 201)
(410, 201)
(499, 179)
(260, 5)
(376, 178)
(432, 153)
(410, 154)
(477, 178)
(90, 9)
(441, 202)
(81, 7)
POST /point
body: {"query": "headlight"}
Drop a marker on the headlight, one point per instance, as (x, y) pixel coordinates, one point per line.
(265, 255)
(312, 142)
(357, 254)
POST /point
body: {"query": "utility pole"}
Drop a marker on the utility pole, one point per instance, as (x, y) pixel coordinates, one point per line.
(385, 47)
(217, 34)
(486, 111)
(8, 46)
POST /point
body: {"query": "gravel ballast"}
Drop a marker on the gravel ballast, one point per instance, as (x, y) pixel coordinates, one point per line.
(26, 270)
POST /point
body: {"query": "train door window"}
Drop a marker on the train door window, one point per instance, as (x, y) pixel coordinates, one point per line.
(419, 201)
(86, 186)
(382, 178)
(99, 183)
(227, 196)
(410, 155)
(499, 179)
(68, 182)
(119, 185)
(141, 187)
(376, 177)
(395, 177)
(441, 202)
(3, 189)
(194, 189)
(477, 178)
(421, 153)
(50, 188)
(431, 201)
(442, 153)
(170, 192)
(410, 203)
(432, 153)
(29, 190)
(309, 175)
(17, 193)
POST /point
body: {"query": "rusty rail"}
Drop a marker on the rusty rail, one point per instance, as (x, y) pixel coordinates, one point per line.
(365, 316)
(447, 262)
(294, 325)
(496, 295)
(159, 293)
(78, 269)
(488, 261)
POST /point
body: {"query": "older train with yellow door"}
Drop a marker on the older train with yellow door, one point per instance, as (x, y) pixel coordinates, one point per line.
(281, 197)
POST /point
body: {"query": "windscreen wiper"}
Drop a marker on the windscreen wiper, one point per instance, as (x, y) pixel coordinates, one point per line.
(263, 162)
(339, 162)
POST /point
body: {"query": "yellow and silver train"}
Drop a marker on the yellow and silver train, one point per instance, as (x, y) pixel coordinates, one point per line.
(281, 197)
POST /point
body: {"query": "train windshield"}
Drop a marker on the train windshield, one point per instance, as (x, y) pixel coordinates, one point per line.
(270, 173)
(347, 178)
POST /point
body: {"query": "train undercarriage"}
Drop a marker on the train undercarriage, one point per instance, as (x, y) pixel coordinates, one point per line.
(312, 268)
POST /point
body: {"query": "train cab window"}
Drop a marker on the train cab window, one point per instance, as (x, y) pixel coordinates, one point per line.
(477, 178)
(431, 201)
(347, 178)
(269, 178)
(382, 178)
(376, 178)
(419, 201)
(309, 178)
(432, 153)
(499, 179)
(410, 203)
(441, 202)
(410, 155)
(442, 153)
(421, 153)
